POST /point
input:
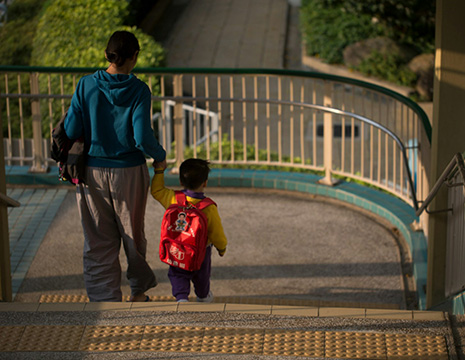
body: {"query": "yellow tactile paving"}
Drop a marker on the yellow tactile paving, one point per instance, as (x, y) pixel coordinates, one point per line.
(50, 338)
(10, 337)
(294, 343)
(273, 342)
(111, 338)
(63, 298)
(355, 345)
(415, 347)
(179, 339)
(232, 340)
(85, 299)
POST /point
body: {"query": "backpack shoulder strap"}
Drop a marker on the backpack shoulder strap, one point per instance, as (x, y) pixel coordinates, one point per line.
(202, 204)
(180, 197)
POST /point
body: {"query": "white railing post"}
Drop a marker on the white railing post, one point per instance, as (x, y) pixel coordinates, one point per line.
(328, 133)
(38, 164)
(178, 120)
(5, 269)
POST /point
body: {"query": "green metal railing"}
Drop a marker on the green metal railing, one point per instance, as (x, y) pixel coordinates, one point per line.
(250, 117)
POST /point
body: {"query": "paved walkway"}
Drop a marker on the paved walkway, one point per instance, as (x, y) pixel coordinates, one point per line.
(296, 300)
(281, 245)
(229, 34)
(28, 225)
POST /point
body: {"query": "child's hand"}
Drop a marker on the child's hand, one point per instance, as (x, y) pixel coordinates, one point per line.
(221, 252)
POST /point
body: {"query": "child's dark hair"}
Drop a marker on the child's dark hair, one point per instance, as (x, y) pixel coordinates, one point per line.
(193, 173)
(122, 45)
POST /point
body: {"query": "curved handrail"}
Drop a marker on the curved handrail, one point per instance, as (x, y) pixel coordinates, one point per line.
(320, 108)
(5, 200)
(260, 72)
(457, 162)
(249, 71)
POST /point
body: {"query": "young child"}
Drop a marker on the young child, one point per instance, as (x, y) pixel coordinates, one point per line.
(193, 176)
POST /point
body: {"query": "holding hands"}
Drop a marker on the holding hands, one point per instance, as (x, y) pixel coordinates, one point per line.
(160, 164)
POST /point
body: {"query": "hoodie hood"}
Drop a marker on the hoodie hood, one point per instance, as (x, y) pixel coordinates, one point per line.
(118, 88)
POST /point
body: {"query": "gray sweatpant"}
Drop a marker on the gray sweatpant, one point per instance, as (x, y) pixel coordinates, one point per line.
(112, 208)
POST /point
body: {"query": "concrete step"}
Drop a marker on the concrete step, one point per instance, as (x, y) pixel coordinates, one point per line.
(79, 298)
(166, 329)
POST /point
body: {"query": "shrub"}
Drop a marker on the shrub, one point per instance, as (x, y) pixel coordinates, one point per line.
(239, 156)
(327, 29)
(389, 67)
(17, 34)
(75, 34)
(409, 22)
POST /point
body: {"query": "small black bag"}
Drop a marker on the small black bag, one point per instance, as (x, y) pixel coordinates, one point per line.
(69, 154)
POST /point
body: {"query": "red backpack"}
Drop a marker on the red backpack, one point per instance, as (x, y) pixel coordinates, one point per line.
(183, 239)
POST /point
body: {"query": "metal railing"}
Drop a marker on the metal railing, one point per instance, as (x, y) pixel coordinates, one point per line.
(453, 177)
(291, 119)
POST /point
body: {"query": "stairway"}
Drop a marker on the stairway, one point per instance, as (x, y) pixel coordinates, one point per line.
(69, 327)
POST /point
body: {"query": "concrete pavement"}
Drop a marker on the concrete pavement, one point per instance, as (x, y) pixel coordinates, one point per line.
(228, 34)
(341, 262)
(281, 245)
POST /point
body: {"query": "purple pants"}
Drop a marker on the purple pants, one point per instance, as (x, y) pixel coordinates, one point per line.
(181, 279)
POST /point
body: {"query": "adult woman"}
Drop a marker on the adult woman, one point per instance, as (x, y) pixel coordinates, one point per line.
(111, 109)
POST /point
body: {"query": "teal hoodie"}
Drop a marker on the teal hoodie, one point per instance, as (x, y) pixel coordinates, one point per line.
(112, 112)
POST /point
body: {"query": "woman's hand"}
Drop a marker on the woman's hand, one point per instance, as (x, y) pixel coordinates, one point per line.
(160, 164)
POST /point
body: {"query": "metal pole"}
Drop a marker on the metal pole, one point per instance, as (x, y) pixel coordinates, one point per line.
(38, 165)
(6, 292)
(178, 120)
(328, 138)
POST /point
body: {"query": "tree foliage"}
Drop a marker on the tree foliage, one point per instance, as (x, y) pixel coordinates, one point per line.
(410, 22)
(75, 34)
(330, 25)
(327, 30)
(17, 34)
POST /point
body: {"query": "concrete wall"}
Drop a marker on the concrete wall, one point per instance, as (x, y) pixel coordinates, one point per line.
(448, 135)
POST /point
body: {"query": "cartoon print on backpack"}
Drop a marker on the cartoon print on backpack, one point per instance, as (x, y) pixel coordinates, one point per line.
(181, 223)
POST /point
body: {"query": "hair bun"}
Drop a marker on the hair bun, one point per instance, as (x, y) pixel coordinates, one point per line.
(121, 46)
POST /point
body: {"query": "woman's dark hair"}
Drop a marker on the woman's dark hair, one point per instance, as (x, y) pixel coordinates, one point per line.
(193, 173)
(122, 45)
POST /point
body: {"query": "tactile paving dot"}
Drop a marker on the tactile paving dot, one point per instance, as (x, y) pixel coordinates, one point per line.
(63, 299)
(401, 346)
(10, 337)
(85, 299)
(233, 341)
(111, 338)
(355, 345)
(294, 343)
(172, 338)
(51, 338)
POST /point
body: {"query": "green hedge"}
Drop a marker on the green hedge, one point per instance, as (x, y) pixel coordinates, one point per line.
(17, 34)
(63, 33)
(328, 28)
(330, 25)
(75, 34)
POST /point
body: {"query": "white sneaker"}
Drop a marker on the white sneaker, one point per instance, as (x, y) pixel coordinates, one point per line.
(183, 300)
(207, 299)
